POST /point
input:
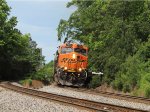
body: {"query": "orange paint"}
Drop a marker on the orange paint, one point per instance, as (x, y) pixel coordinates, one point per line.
(73, 57)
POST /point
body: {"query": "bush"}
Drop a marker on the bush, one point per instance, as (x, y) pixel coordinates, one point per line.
(126, 88)
(45, 74)
(21, 82)
(147, 92)
(117, 84)
(144, 88)
(95, 82)
(29, 81)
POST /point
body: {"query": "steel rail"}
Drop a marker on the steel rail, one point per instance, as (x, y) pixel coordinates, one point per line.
(95, 106)
(113, 95)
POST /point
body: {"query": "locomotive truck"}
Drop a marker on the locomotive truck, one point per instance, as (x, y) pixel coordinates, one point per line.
(70, 65)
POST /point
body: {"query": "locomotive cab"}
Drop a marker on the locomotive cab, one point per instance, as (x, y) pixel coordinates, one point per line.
(71, 64)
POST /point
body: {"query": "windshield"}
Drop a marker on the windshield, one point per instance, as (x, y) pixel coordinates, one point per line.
(81, 51)
(66, 50)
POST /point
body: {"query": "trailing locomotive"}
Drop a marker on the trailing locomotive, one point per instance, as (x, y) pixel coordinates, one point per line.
(70, 65)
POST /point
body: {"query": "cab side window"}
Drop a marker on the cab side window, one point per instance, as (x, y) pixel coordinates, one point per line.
(81, 51)
(66, 50)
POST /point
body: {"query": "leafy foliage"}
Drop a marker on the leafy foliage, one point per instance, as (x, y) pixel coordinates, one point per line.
(117, 34)
(95, 82)
(18, 56)
(44, 74)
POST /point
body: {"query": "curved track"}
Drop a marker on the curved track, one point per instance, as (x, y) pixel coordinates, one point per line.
(92, 105)
(112, 95)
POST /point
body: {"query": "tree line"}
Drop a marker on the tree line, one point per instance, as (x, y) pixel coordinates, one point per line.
(118, 36)
(19, 54)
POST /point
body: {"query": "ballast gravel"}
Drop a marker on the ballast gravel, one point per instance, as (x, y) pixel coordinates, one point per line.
(62, 91)
(11, 101)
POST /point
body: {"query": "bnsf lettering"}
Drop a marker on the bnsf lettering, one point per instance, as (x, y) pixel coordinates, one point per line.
(67, 60)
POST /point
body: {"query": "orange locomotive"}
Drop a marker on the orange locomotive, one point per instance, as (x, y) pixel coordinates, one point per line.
(70, 65)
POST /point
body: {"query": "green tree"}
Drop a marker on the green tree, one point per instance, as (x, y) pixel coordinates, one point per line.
(17, 56)
(114, 31)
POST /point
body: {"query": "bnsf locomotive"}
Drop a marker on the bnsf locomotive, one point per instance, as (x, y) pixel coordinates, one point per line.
(70, 65)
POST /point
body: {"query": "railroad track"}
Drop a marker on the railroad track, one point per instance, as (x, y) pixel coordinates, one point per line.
(92, 105)
(113, 95)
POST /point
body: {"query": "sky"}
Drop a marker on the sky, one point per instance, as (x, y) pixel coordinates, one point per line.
(40, 18)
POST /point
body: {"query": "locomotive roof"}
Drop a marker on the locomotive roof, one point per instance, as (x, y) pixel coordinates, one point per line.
(74, 45)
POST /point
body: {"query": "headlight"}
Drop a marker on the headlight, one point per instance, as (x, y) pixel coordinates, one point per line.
(80, 69)
(65, 68)
(74, 56)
